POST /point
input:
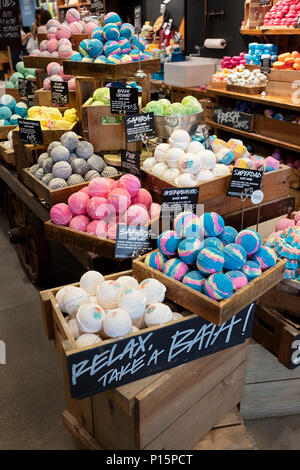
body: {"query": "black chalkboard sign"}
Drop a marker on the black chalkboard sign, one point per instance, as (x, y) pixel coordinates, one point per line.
(30, 132)
(244, 182)
(138, 19)
(133, 241)
(131, 162)
(22, 86)
(235, 119)
(178, 200)
(10, 34)
(126, 360)
(139, 126)
(295, 356)
(59, 93)
(266, 65)
(31, 88)
(97, 7)
(124, 100)
(263, 2)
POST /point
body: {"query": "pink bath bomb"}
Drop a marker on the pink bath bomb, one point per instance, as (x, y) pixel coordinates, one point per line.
(100, 187)
(43, 45)
(60, 214)
(85, 190)
(47, 84)
(63, 31)
(130, 183)
(284, 223)
(52, 23)
(112, 231)
(79, 222)
(93, 207)
(154, 211)
(56, 78)
(52, 32)
(64, 42)
(78, 202)
(89, 27)
(98, 227)
(65, 51)
(143, 197)
(45, 54)
(72, 84)
(120, 199)
(54, 54)
(72, 15)
(53, 68)
(65, 77)
(76, 27)
(52, 45)
(36, 53)
(137, 215)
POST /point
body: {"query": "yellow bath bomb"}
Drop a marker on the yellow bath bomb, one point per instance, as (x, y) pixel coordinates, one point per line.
(34, 111)
(217, 145)
(61, 124)
(71, 115)
(244, 163)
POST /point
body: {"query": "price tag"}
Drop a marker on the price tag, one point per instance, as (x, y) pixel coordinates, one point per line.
(244, 182)
(22, 86)
(257, 197)
(60, 93)
(124, 100)
(30, 132)
(179, 199)
(139, 126)
(131, 162)
(97, 7)
(31, 88)
(266, 65)
(133, 241)
(138, 19)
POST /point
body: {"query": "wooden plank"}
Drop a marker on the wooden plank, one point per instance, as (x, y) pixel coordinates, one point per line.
(47, 315)
(285, 301)
(233, 418)
(231, 438)
(245, 90)
(284, 131)
(33, 62)
(44, 98)
(79, 432)
(4, 130)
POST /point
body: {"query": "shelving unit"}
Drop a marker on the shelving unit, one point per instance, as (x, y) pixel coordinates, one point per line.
(270, 32)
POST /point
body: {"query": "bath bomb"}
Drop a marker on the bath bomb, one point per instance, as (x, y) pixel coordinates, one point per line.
(156, 260)
(124, 45)
(89, 27)
(63, 31)
(94, 47)
(52, 32)
(5, 113)
(228, 235)
(76, 27)
(33, 169)
(238, 279)
(221, 170)
(168, 242)
(79, 222)
(55, 78)
(65, 52)
(120, 199)
(143, 197)
(59, 297)
(79, 166)
(235, 257)
(95, 162)
(21, 109)
(117, 322)
(126, 59)
(52, 45)
(94, 207)
(212, 223)
(208, 159)
(160, 152)
(159, 169)
(52, 22)
(154, 290)
(57, 183)
(134, 302)
(69, 140)
(77, 203)
(73, 327)
(136, 215)
(59, 153)
(112, 17)
(210, 261)
(213, 242)
(72, 15)
(35, 53)
(90, 175)
(89, 318)
(194, 280)
(128, 282)
(83, 47)
(225, 156)
(75, 179)
(112, 48)
(265, 257)
(251, 270)
(188, 249)
(204, 175)
(284, 223)
(249, 240)
(42, 158)
(98, 33)
(51, 146)
(171, 174)
(62, 170)
(149, 163)
(60, 214)
(39, 173)
(98, 227)
(139, 43)
(190, 163)
(180, 139)
(111, 32)
(175, 269)
(47, 178)
(218, 286)
(108, 294)
(157, 313)
(87, 339)
(73, 298)
(109, 172)
(187, 225)
(195, 147)
(271, 164)
(127, 31)
(173, 156)
(130, 183)
(185, 180)
(84, 150)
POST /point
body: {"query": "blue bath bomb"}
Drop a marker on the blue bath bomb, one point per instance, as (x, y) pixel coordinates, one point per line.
(188, 249)
(213, 242)
(218, 286)
(212, 223)
(194, 280)
(235, 256)
(77, 57)
(210, 261)
(5, 113)
(168, 242)
(94, 47)
(9, 101)
(228, 235)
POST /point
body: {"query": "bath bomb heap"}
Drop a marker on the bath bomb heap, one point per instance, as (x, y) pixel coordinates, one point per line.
(90, 281)
(108, 294)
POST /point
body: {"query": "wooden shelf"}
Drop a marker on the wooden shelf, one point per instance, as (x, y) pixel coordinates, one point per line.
(255, 136)
(270, 32)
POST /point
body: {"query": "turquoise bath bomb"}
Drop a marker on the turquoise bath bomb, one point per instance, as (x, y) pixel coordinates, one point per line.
(188, 249)
(235, 256)
(168, 242)
(218, 286)
(5, 113)
(9, 101)
(228, 235)
(14, 119)
(194, 280)
(21, 109)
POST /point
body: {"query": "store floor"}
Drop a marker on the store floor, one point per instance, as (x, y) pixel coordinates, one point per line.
(31, 382)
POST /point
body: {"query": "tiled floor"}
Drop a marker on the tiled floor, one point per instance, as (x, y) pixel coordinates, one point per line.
(31, 383)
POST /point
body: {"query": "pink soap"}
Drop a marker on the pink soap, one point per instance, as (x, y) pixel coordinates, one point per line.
(52, 33)
(78, 203)
(98, 227)
(64, 42)
(52, 45)
(284, 223)
(131, 183)
(154, 211)
(76, 27)
(137, 215)
(100, 186)
(79, 222)
(60, 214)
(65, 52)
(85, 190)
(63, 31)
(72, 15)
(89, 27)
(143, 197)
(93, 207)
(120, 199)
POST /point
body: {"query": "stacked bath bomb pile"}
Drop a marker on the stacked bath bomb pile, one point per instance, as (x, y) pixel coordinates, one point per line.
(58, 42)
(56, 74)
(208, 256)
(69, 162)
(10, 111)
(286, 242)
(283, 13)
(52, 118)
(189, 105)
(99, 207)
(99, 309)
(256, 51)
(116, 43)
(21, 72)
(245, 78)
(232, 62)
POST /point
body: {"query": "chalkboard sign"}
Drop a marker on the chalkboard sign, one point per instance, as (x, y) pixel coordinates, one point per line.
(142, 355)
(97, 7)
(60, 93)
(10, 34)
(124, 100)
(30, 132)
(263, 3)
(22, 86)
(179, 200)
(235, 119)
(139, 126)
(138, 19)
(31, 88)
(295, 356)
(131, 162)
(244, 182)
(133, 241)
(266, 65)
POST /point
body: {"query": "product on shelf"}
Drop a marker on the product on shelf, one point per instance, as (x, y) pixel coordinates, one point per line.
(246, 78)
(233, 62)
(256, 51)
(283, 13)
(52, 118)
(163, 107)
(11, 111)
(21, 72)
(288, 61)
(56, 73)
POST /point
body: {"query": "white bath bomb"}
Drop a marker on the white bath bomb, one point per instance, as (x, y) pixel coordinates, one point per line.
(208, 159)
(221, 170)
(59, 153)
(173, 156)
(154, 290)
(117, 322)
(157, 314)
(73, 327)
(87, 339)
(190, 163)
(93, 299)
(108, 294)
(180, 139)
(59, 297)
(171, 174)
(158, 169)
(62, 170)
(160, 152)
(195, 147)
(73, 298)
(90, 280)
(128, 282)
(134, 302)
(185, 180)
(149, 163)
(89, 318)
(177, 316)
(204, 175)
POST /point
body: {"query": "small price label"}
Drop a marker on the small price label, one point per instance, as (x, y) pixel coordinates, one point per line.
(133, 241)
(139, 126)
(30, 132)
(257, 197)
(124, 100)
(131, 162)
(22, 86)
(31, 88)
(60, 93)
(244, 182)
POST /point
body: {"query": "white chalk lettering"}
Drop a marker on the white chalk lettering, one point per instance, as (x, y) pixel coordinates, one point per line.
(154, 356)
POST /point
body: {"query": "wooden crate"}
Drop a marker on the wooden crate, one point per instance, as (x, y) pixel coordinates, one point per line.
(202, 305)
(33, 62)
(254, 90)
(282, 130)
(44, 98)
(13, 92)
(254, 13)
(4, 130)
(295, 178)
(284, 297)
(221, 85)
(7, 154)
(208, 108)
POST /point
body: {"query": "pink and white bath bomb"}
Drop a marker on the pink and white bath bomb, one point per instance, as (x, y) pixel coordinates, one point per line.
(64, 42)
(87, 339)
(72, 84)
(100, 187)
(120, 199)
(47, 84)
(53, 68)
(63, 31)
(108, 294)
(52, 32)
(72, 15)
(116, 322)
(98, 228)
(43, 45)
(60, 214)
(56, 78)
(90, 280)
(89, 318)
(46, 54)
(157, 313)
(89, 27)
(36, 53)
(76, 27)
(284, 223)
(93, 207)
(79, 222)
(52, 45)
(77, 203)
(65, 51)
(130, 183)
(136, 215)
(52, 23)
(143, 197)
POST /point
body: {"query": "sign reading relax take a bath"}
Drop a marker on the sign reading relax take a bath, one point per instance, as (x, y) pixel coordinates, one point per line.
(160, 348)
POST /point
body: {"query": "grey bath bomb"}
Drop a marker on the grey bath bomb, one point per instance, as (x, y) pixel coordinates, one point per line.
(75, 179)
(51, 146)
(48, 165)
(39, 173)
(72, 157)
(42, 158)
(57, 183)
(70, 140)
(59, 154)
(109, 171)
(91, 174)
(62, 170)
(84, 150)
(96, 163)
(47, 178)
(34, 168)
(79, 166)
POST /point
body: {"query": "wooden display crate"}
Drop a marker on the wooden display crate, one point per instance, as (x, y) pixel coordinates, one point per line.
(7, 154)
(254, 90)
(282, 130)
(201, 304)
(280, 82)
(217, 85)
(208, 108)
(33, 62)
(4, 130)
(14, 92)
(284, 297)
(44, 98)
(254, 13)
